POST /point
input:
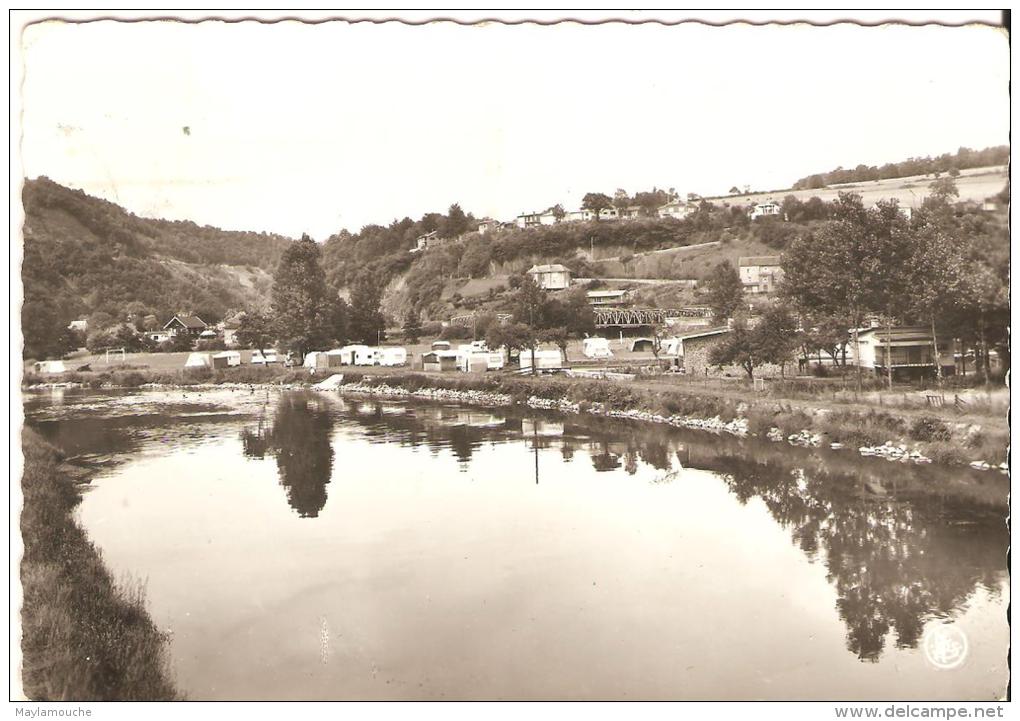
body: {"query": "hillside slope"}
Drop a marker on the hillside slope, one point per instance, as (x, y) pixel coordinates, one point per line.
(85, 255)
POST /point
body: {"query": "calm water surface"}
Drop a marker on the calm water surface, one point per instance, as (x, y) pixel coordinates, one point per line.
(305, 546)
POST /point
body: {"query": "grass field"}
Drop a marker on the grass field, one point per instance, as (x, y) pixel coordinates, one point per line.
(974, 184)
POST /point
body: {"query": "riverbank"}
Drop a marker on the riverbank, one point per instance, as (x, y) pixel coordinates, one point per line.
(898, 434)
(917, 439)
(84, 637)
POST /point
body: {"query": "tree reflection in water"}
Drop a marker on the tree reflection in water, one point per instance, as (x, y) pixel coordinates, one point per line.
(300, 439)
(898, 553)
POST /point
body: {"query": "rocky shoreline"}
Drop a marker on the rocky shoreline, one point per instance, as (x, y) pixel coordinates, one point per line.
(889, 450)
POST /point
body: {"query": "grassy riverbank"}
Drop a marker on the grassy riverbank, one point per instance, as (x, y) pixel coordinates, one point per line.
(939, 433)
(940, 438)
(84, 637)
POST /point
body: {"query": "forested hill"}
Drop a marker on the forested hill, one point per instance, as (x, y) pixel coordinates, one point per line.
(84, 255)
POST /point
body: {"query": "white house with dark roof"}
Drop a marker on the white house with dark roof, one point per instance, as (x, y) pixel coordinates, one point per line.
(761, 273)
(189, 324)
(550, 277)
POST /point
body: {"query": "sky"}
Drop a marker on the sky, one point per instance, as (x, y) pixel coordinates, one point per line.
(296, 128)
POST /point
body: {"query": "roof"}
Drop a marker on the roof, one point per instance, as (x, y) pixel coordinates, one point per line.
(704, 333)
(188, 321)
(606, 293)
(553, 268)
(761, 260)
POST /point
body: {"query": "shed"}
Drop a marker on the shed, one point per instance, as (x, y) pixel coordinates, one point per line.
(439, 360)
(392, 356)
(316, 359)
(226, 359)
(596, 348)
(198, 360)
(50, 366)
(334, 357)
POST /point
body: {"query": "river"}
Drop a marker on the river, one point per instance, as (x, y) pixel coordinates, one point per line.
(307, 546)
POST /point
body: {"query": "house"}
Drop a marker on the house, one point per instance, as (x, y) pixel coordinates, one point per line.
(596, 348)
(769, 208)
(584, 216)
(439, 360)
(696, 347)
(81, 325)
(424, 242)
(678, 209)
(606, 298)
(486, 225)
(50, 366)
(532, 220)
(761, 273)
(185, 324)
(550, 277)
(910, 348)
(229, 328)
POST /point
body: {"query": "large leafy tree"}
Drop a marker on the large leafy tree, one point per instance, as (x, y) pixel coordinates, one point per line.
(303, 307)
(772, 340)
(596, 203)
(255, 330)
(366, 323)
(725, 292)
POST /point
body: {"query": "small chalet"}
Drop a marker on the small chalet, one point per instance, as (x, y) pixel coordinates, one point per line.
(607, 298)
(910, 347)
(185, 324)
(550, 277)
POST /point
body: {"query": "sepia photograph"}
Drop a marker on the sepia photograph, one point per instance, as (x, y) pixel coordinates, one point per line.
(499, 356)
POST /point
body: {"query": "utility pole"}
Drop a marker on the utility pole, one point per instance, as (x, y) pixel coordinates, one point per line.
(592, 240)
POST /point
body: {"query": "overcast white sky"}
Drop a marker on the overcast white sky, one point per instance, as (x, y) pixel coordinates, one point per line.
(311, 128)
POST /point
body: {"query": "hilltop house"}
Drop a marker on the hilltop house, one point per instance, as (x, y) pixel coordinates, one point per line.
(770, 208)
(185, 324)
(761, 273)
(550, 277)
(678, 209)
(424, 242)
(486, 225)
(81, 325)
(531, 220)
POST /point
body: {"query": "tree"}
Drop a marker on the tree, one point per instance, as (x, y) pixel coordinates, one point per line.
(942, 190)
(456, 223)
(510, 336)
(772, 340)
(255, 330)
(560, 337)
(621, 201)
(650, 201)
(724, 290)
(302, 305)
(558, 212)
(596, 203)
(529, 304)
(412, 326)
(734, 190)
(366, 320)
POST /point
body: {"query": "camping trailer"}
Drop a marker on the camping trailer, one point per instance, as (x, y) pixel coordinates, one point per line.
(392, 356)
(544, 359)
(226, 359)
(50, 366)
(366, 356)
(596, 348)
(496, 360)
(440, 345)
(261, 358)
(349, 353)
(473, 362)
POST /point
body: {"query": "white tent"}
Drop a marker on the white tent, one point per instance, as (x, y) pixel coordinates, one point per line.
(596, 348)
(198, 360)
(50, 366)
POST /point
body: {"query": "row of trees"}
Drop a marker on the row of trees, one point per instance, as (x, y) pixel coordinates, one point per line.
(942, 269)
(950, 163)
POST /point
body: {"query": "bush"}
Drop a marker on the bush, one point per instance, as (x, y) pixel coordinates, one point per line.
(929, 429)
